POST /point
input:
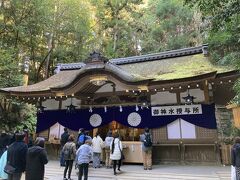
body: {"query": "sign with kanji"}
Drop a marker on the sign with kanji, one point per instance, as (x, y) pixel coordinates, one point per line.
(176, 110)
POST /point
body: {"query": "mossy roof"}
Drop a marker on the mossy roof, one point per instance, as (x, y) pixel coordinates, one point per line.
(175, 68)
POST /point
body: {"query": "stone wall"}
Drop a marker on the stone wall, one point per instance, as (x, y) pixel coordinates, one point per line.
(224, 118)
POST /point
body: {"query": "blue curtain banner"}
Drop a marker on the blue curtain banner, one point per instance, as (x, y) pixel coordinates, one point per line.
(82, 118)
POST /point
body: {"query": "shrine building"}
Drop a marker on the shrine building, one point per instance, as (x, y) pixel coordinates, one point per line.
(179, 94)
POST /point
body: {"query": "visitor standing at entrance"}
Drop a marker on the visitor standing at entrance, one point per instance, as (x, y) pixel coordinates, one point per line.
(63, 141)
(4, 142)
(84, 156)
(235, 154)
(16, 157)
(80, 133)
(69, 151)
(115, 152)
(36, 159)
(108, 141)
(97, 145)
(146, 140)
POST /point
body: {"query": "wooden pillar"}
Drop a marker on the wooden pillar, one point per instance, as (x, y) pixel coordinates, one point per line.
(59, 126)
(60, 104)
(178, 93)
(206, 92)
(236, 114)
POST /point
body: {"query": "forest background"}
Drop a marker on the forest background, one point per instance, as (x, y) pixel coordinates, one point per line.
(36, 35)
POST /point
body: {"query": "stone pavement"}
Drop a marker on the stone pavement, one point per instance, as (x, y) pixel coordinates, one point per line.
(135, 172)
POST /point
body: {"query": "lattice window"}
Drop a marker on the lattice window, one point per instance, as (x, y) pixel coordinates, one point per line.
(204, 133)
(159, 134)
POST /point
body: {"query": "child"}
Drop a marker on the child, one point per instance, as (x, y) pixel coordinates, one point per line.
(84, 156)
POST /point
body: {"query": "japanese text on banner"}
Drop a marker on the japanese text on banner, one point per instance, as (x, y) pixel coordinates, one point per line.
(176, 110)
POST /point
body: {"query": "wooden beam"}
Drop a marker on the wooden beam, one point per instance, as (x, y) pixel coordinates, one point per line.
(60, 104)
(236, 116)
(178, 97)
(206, 92)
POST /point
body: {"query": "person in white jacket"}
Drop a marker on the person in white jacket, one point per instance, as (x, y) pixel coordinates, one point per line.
(115, 152)
(97, 145)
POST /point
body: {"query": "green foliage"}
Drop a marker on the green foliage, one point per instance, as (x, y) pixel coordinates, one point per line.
(27, 118)
(231, 133)
(223, 32)
(117, 27)
(220, 11)
(170, 25)
(235, 132)
(18, 116)
(42, 28)
(9, 70)
(13, 115)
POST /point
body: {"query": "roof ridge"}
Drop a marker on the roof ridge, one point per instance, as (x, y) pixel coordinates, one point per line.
(160, 55)
(142, 58)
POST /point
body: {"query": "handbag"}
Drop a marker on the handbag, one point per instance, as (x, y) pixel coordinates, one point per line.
(9, 169)
(122, 155)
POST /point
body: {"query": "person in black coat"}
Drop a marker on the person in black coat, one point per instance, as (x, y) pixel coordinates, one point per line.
(64, 139)
(4, 142)
(36, 159)
(16, 157)
(235, 155)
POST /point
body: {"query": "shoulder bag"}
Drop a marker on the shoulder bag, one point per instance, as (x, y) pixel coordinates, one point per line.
(9, 169)
(122, 155)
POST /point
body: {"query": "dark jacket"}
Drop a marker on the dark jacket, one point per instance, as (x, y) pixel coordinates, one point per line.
(4, 140)
(36, 159)
(235, 154)
(64, 138)
(16, 155)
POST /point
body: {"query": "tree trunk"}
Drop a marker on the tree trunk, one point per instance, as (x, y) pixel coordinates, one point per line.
(115, 38)
(50, 41)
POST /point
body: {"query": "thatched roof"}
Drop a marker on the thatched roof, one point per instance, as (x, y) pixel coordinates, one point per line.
(175, 68)
(166, 67)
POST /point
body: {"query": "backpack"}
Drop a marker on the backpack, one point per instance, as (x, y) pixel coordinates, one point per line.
(147, 141)
(68, 151)
(81, 139)
(64, 138)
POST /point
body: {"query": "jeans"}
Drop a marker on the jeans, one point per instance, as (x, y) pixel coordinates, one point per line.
(69, 164)
(62, 161)
(96, 160)
(83, 169)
